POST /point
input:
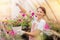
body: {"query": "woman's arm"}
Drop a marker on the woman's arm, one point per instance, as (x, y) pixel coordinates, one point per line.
(33, 34)
(20, 7)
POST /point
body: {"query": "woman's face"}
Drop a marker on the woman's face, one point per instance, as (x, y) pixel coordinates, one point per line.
(39, 13)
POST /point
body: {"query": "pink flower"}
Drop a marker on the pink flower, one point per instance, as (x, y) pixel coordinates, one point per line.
(19, 20)
(32, 13)
(30, 16)
(23, 14)
(12, 33)
(46, 27)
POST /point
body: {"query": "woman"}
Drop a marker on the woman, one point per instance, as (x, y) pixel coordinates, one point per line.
(38, 24)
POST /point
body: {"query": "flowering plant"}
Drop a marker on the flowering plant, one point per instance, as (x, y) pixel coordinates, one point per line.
(23, 19)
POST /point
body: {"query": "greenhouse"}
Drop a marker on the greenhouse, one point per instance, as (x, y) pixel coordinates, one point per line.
(29, 19)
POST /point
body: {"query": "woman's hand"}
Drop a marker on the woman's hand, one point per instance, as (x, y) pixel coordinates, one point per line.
(34, 33)
(21, 8)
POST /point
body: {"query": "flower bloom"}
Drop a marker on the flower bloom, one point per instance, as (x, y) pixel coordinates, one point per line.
(12, 33)
(30, 16)
(23, 14)
(19, 20)
(32, 13)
